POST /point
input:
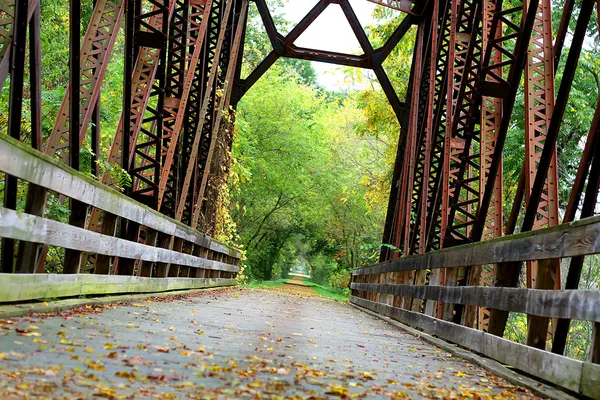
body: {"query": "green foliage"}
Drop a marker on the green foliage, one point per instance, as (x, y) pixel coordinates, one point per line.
(304, 179)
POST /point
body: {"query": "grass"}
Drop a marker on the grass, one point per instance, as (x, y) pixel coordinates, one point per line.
(266, 284)
(338, 294)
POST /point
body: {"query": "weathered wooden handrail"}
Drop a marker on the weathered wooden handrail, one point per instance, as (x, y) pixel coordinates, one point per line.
(28, 164)
(34, 167)
(20, 226)
(376, 288)
(578, 238)
(583, 305)
(580, 377)
(49, 286)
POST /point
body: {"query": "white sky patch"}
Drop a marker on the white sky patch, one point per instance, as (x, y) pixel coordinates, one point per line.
(330, 31)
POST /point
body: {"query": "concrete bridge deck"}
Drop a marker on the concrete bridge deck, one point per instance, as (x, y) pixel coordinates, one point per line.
(249, 343)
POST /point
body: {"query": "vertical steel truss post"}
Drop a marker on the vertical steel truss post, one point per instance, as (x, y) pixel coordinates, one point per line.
(7, 9)
(14, 117)
(590, 153)
(430, 214)
(539, 103)
(421, 175)
(77, 208)
(491, 115)
(463, 162)
(412, 237)
(538, 327)
(143, 165)
(433, 227)
(26, 257)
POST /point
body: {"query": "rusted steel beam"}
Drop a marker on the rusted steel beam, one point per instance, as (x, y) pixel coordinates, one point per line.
(411, 144)
(78, 210)
(27, 251)
(591, 155)
(6, 34)
(539, 102)
(430, 230)
(457, 58)
(511, 272)
(6, 38)
(145, 147)
(269, 24)
(491, 115)
(19, 38)
(561, 34)
(176, 108)
(379, 55)
(96, 49)
(463, 163)
(397, 237)
(519, 35)
(433, 229)
(415, 121)
(422, 155)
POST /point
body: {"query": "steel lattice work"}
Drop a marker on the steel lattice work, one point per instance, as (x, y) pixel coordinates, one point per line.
(473, 61)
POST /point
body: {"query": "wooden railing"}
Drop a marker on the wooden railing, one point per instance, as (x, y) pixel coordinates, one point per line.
(202, 261)
(387, 289)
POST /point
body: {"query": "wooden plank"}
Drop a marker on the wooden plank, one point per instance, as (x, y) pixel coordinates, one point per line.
(566, 240)
(571, 304)
(571, 374)
(25, 163)
(44, 286)
(21, 226)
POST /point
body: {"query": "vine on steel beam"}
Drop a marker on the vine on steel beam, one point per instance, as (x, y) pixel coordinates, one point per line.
(223, 106)
(191, 169)
(200, 90)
